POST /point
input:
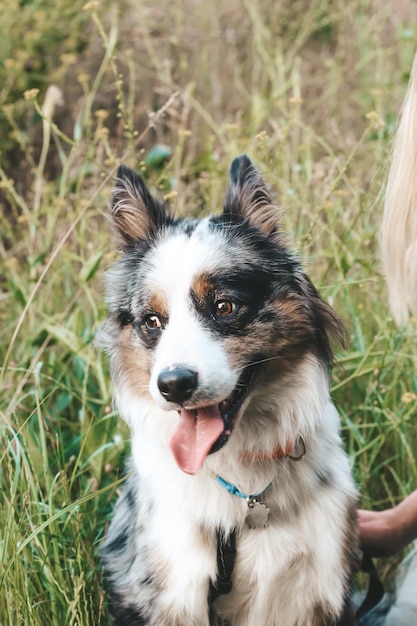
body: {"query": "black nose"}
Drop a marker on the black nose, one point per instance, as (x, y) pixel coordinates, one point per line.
(177, 384)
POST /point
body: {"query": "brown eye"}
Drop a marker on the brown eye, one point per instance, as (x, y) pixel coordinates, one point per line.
(224, 308)
(152, 322)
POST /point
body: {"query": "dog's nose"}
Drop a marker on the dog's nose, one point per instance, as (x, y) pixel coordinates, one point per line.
(177, 384)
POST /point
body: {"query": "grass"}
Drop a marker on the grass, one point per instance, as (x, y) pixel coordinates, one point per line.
(311, 91)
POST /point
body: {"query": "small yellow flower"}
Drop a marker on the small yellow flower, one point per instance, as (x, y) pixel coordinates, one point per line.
(184, 132)
(102, 133)
(372, 116)
(6, 184)
(101, 114)
(408, 397)
(375, 121)
(83, 77)
(68, 58)
(171, 195)
(31, 94)
(262, 137)
(91, 6)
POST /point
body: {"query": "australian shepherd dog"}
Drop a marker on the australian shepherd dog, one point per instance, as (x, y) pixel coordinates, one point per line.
(239, 507)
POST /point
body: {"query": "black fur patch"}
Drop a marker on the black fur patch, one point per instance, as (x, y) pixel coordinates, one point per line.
(125, 615)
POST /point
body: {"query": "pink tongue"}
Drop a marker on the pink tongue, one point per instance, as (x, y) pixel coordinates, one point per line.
(194, 435)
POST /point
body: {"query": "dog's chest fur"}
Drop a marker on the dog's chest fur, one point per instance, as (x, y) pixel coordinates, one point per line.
(287, 574)
(293, 573)
(220, 353)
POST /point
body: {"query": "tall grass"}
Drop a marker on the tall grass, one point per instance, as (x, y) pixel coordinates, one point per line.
(311, 91)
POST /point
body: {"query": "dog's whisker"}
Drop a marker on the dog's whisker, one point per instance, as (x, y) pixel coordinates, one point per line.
(257, 362)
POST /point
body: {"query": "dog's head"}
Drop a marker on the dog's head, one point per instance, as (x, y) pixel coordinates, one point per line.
(201, 310)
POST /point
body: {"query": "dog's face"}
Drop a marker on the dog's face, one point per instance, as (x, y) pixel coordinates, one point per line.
(202, 311)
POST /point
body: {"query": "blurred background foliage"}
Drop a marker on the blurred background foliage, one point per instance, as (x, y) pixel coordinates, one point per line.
(311, 91)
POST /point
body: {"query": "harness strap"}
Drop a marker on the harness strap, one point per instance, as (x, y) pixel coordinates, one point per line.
(226, 557)
(375, 591)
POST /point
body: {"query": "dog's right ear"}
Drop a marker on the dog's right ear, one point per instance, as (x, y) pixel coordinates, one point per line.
(249, 199)
(135, 212)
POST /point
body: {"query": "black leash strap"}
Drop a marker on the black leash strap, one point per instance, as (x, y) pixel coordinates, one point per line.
(375, 591)
(226, 557)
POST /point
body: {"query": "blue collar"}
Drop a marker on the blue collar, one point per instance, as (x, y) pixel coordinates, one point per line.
(236, 492)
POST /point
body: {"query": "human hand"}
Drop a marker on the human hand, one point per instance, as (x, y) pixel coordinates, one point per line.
(384, 533)
(378, 532)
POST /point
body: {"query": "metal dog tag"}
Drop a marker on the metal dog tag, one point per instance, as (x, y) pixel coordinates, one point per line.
(258, 514)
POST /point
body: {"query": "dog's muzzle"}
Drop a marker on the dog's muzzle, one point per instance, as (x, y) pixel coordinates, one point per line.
(201, 429)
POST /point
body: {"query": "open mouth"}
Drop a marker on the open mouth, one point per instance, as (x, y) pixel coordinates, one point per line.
(204, 430)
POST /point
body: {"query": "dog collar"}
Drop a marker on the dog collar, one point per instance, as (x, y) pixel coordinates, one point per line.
(235, 491)
(295, 452)
(257, 515)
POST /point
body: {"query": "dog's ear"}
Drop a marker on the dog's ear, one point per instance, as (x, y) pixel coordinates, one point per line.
(135, 213)
(248, 198)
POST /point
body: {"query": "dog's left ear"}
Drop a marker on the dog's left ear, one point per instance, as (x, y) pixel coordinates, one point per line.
(135, 212)
(248, 198)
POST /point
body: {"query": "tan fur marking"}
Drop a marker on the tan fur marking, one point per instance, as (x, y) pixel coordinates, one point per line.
(201, 286)
(253, 199)
(260, 213)
(129, 213)
(158, 303)
(131, 362)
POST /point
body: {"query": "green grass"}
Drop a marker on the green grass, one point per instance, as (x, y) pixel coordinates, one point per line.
(311, 91)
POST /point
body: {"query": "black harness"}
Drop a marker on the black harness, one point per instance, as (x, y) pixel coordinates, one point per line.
(226, 558)
(375, 591)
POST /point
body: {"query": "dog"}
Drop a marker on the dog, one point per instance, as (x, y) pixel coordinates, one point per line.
(239, 507)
